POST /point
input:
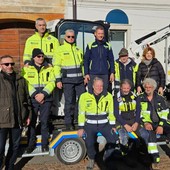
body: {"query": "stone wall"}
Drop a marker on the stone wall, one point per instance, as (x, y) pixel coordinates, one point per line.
(32, 9)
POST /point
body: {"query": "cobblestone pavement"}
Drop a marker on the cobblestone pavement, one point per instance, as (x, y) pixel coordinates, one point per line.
(51, 163)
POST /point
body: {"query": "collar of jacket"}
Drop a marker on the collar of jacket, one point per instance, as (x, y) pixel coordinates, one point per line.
(45, 63)
(154, 60)
(93, 96)
(144, 95)
(104, 93)
(100, 42)
(130, 60)
(68, 44)
(18, 76)
(130, 94)
(46, 34)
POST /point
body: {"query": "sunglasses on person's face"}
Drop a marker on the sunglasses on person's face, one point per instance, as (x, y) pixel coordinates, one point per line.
(70, 36)
(7, 64)
(39, 56)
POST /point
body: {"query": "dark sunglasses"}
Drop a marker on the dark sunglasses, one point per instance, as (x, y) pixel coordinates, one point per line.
(70, 36)
(7, 64)
(39, 56)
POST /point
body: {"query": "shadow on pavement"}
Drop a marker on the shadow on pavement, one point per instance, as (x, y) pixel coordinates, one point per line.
(166, 149)
(136, 159)
(21, 163)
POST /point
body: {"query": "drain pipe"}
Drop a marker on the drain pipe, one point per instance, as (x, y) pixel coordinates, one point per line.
(74, 9)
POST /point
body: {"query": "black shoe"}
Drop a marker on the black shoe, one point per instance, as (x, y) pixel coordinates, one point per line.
(30, 149)
(45, 148)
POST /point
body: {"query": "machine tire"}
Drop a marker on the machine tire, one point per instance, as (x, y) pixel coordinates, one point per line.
(70, 151)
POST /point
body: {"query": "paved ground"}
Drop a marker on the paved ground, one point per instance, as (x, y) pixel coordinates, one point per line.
(133, 161)
(51, 163)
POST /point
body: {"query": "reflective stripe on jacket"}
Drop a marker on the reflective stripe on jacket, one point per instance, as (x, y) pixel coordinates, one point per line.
(48, 44)
(98, 58)
(129, 71)
(42, 82)
(95, 113)
(68, 63)
(159, 105)
(125, 108)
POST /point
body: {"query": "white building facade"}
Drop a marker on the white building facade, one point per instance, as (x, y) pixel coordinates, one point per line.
(143, 17)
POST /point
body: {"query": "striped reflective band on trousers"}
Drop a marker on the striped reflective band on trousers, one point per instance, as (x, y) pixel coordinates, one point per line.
(152, 148)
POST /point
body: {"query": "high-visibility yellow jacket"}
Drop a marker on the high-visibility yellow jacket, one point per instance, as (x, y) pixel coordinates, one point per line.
(48, 44)
(127, 71)
(39, 82)
(147, 108)
(95, 113)
(125, 108)
(68, 64)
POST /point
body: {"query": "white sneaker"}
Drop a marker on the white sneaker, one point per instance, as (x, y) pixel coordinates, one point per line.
(101, 147)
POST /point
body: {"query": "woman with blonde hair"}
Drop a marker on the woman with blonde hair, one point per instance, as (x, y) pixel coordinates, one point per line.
(150, 67)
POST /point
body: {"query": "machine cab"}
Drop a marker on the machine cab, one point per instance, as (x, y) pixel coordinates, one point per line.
(84, 30)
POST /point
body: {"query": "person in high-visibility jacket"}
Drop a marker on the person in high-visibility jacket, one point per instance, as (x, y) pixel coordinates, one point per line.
(41, 39)
(96, 115)
(154, 113)
(68, 68)
(125, 68)
(127, 118)
(41, 82)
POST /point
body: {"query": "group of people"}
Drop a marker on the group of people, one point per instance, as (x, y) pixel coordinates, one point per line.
(137, 105)
(49, 66)
(146, 115)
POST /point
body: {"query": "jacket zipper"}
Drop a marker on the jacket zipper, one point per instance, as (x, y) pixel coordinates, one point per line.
(100, 54)
(97, 109)
(74, 59)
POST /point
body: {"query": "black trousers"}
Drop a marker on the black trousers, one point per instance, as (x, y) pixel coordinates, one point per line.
(14, 142)
(152, 137)
(72, 93)
(44, 110)
(91, 131)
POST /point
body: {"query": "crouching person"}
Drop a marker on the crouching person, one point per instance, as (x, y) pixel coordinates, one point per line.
(154, 112)
(41, 82)
(96, 115)
(127, 115)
